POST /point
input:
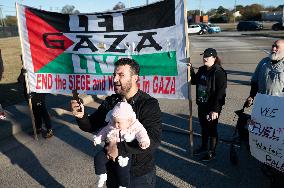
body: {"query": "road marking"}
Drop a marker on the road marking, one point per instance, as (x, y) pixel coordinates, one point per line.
(266, 51)
(172, 179)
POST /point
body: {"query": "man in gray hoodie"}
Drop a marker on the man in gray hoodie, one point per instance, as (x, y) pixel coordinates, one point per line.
(268, 77)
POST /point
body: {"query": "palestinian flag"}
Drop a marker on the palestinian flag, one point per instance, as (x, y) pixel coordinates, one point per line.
(62, 52)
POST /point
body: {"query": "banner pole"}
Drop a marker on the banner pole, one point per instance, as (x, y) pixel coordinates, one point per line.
(30, 105)
(25, 74)
(189, 85)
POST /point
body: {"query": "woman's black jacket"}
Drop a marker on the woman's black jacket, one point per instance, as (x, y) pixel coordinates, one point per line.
(216, 81)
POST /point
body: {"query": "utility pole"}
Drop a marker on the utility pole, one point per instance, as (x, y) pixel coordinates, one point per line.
(235, 9)
(282, 15)
(3, 24)
(147, 2)
(199, 7)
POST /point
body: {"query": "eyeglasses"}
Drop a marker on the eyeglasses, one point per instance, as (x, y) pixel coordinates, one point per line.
(275, 46)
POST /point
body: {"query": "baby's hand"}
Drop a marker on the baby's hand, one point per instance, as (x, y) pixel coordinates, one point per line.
(144, 145)
(129, 137)
(97, 139)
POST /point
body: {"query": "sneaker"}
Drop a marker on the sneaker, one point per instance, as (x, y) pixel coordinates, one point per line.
(199, 151)
(49, 133)
(210, 155)
(2, 115)
(102, 180)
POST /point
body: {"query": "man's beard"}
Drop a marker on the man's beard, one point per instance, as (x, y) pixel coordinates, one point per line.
(277, 56)
(123, 88)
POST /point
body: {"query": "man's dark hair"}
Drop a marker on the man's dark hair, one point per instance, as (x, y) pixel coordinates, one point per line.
(134, 66)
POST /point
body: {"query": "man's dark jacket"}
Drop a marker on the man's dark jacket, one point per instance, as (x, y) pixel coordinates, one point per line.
(147, 112)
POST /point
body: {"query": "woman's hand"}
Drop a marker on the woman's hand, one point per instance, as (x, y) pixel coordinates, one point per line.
(213, 115)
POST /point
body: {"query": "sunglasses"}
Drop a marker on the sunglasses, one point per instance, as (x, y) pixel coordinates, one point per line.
(275, 46)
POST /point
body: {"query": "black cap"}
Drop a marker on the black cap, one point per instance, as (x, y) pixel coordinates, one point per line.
(209, 52)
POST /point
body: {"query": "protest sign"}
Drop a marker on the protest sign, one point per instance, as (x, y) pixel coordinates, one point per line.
(63, 52)
(266, 130)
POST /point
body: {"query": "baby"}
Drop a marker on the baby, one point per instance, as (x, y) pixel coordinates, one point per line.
(122, 126)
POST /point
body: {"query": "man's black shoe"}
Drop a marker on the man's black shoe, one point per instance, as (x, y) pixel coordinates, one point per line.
(210, 155)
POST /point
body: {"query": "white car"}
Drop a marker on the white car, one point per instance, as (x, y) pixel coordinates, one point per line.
(194, 29)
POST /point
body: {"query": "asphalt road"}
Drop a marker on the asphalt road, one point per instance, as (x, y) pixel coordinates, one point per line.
(66, 160)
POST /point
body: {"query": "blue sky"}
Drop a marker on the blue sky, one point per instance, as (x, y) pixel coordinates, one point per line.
(103, 5)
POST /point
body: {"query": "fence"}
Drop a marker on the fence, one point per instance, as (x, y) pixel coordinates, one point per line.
(9, 31)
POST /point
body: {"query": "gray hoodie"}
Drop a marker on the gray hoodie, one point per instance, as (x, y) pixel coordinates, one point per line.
(269, 77)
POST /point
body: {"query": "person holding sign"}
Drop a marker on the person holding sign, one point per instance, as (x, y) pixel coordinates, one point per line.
(142, 170)
(211, 84)
(39, 109)
(268, 77)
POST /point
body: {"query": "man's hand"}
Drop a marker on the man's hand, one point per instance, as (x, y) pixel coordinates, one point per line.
(213, 115)
(248, 102)
(112, 151)
(77, 109)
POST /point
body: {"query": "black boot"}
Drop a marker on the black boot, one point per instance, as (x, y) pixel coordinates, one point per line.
(211, 153)
(203, 148)
(213, 144)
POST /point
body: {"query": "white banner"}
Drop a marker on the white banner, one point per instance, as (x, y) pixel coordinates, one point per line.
(266, 130)
(78, 51)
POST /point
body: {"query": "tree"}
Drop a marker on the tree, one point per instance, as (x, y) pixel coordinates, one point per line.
(211, 12)
(119, 6)
(11, 20)
(252, 12)
(69, 9)
(192, 12)
(279, 8)
(239, 7)
(219, 15)
(221, 10)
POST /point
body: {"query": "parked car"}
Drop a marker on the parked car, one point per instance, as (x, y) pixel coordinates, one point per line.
(195, 29)
(249, 26)
(204, 27)
(277, 26)
(213, 28)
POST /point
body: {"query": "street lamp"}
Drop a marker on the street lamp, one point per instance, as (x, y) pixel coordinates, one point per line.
(199, 7)
(235, 9)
